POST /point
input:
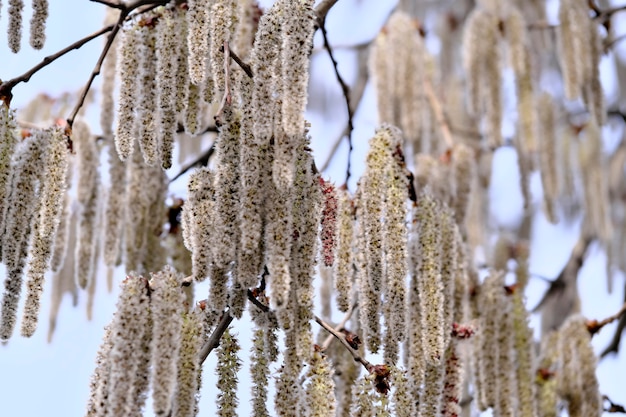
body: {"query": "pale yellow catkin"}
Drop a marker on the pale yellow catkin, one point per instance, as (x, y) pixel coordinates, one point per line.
(52, 193)
(227, 188)
(379, 68)
(221, 27)
(548, 155)
(505, 367)
(60, 245)
(107, 104)
(167, 50)
(97, 405)
(298, 24)
(8, 141)
(20, 212)
(198, 217)
(320, 388)
(430, 283)
(259, 370)
(464, 171)
(198, 18)
(135, 209)
(127, 327)
(114, 208)
(182, 67)
(147, 91)
(344, 255)
(188, 366)
(166, 307)
(243, 37)
(87, 196)
(431, 396)
(128, 64)
(572, 44)
(476, 25)
(546, 382)
(288, 389)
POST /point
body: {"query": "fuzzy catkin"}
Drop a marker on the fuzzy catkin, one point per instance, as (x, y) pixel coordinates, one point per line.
(52, 193)
(107, 104)
(549, 174)
(198, 18)
(128, 70)
(343, 265)
(320, 390)
(222, 24)
(570, 47)
(167, 51)
(265, 57)
(20, 212)
(228, 364)
(379, 67)
(188, 366)
(259, 370)
(100, 379)
(298, 20)
(15, 25)
(166, 306)
(38, 24)
(147, 103)
(368, 300)
(127, 330)
(87, 196)
(114, 208)
(198, 221)
(8, 141)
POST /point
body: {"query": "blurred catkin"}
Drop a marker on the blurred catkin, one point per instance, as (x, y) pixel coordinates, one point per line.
(16, 8)
(38, 24)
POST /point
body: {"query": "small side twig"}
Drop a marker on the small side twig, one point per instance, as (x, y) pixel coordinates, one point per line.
(595, 326)
(115, 4)
(226, 99)
(340, 326)
(613, 408)
(613, 346)
(214, 339)
(245, 67)
(344, 88)
(203, 160)
(355, 354)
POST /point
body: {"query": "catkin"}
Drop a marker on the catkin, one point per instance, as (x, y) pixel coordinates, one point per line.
(51, 200)
(100, 379)
(8, 141)
(87, 196)
(15, 25)
(128, 67)
(379, 66)
(38, 24)
(198, 221)
(329, 222)
(128, 325)
(167, 51)
(188, 366)
(227, 189)
(198, 18)
(298, 20)
(264, 60)
(221, 27)
(320, 390)
(20, 212)
(114, 208)
(464, 171)
(549, 174)
(431, 288)
(166, 306)
(228, 364)
(344, 256)
(147, 103)
(107, 104)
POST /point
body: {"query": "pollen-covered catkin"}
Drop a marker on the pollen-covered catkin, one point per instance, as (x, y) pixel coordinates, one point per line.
(15, 25)
(198, 221)
(114, 208)
(21, 208)
(128, 66)
(107, 104)
(167, 305)
(221, 27)
(344, 256)
(228, 365)
(227, 188)
(431, 288)
(265, 57)
(51, 195)
(464, 171)
(87, 196)
(97, 404)
(147, 104)
(549, 174)
(320, 389)
(38, 24)
(198, 18)
(570, 38)
(329, 222)
(167, 51)
(127, 329)
(188, 366)
(298, 20)
(8, 141)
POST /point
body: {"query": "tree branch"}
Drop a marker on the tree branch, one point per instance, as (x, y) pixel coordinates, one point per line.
(595, 326)
(340, 326)
(355, 354)
(344, 88)
(203, 160)
(613, 347)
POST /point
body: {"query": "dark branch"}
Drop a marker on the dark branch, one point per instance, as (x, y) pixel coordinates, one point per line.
(245, 67)
(346, 93)
(214, 339)
(202, 161)
(111, 3)
(613, 347)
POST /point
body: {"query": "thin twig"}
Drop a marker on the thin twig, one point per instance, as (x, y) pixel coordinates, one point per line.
(245, 67)
(613, 346)
(115, 4)
(346, 92)
(435, 104)
(202, 160)
(595, 326)
(355, 354)
(338, 327)
(226, 99)
(214, 339)
(323, 8)
(613, 408)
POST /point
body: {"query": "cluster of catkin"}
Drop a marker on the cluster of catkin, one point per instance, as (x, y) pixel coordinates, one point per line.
(153, 341)
(32, 188)
(37, 24)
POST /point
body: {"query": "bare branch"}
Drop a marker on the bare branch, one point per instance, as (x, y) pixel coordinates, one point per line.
(340, 326)
(115, 4)
(203, 160)
(214, 339)
(323, 8)
(595, 326)
(355, 354)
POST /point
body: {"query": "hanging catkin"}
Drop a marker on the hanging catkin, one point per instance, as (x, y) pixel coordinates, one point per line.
(128, 69)
(107, 104)
(343, 265)
(147, 102)
(198, 18)
(51, 200)
(549, 174)
(15, 25)
(38, 23)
